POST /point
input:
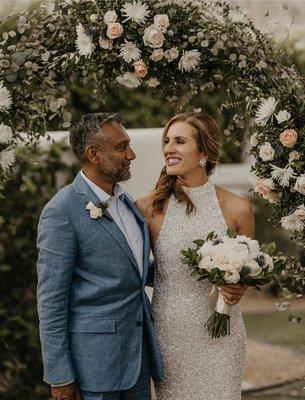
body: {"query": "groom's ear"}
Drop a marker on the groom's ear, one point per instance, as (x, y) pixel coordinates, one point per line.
(92, 155)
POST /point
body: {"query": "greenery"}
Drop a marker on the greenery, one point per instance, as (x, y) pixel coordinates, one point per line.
(153, 46)
(33, 184)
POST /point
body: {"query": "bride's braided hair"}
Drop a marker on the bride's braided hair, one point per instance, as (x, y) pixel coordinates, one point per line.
(208, 140)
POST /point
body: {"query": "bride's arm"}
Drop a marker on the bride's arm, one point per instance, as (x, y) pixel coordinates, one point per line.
(245, 219)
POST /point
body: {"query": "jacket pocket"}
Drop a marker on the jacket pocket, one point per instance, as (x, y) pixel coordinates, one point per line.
(92, 325)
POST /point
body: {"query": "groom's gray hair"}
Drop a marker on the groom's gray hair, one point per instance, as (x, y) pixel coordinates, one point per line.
(84, 131)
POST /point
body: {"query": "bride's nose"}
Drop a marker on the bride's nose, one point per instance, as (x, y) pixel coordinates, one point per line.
(168, 148)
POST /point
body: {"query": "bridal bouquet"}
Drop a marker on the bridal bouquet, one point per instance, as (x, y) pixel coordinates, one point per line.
(225, 260)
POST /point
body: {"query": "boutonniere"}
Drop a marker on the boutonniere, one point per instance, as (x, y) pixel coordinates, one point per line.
(97, 210)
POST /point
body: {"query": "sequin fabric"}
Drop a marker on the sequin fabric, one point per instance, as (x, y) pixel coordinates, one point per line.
(196, 366)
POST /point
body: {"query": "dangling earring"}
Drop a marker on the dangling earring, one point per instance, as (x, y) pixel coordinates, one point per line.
(202, 163)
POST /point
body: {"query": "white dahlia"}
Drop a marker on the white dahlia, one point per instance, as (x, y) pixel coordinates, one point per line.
(189, 60)
(129, 80)
(282, 175)
(135, 11)
(84, 42)
(7, 159)
(292, 222)
(129, 51)
(5, 98)
(265, 110)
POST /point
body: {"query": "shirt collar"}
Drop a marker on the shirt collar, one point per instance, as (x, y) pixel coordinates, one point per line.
(101, 194)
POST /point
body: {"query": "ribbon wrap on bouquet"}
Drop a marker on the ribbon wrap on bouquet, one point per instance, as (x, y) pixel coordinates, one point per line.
(217, 301)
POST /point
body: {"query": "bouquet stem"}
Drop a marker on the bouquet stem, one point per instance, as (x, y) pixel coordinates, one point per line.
(218, 325)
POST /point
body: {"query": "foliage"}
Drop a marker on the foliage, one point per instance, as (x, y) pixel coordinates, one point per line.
(205, 47)
(33, 184)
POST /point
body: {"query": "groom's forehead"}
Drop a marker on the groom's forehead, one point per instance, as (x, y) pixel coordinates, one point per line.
(114, 132)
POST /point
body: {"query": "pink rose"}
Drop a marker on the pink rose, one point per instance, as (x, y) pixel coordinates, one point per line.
(140, 69)
(288, 138)
(264, 187)
(114, 30)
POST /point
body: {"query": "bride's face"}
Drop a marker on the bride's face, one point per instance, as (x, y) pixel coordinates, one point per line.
(181, 150)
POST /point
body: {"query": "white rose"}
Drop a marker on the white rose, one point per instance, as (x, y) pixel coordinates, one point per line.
(206, 249)
(254, 268)
(300, 184)
(105, 43)
(206, 263)
(266, 152)
(95, 212)
(294, 156)
(272, 198)
(153, 37)
(157, 55)
(171, 54)
(161, 22)
(282, 116)
(153, 82)
(253, 245)
(93, 17)
(110, 17)
(269, 262)
(231, 276)
(254, 140)
(6, 133)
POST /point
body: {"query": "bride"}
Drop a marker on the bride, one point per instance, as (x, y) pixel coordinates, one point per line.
(185, 206)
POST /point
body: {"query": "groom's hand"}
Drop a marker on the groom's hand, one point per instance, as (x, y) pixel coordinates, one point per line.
(67, 392)
(233, 293)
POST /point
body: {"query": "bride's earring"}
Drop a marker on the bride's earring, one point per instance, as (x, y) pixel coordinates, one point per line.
(202, 163)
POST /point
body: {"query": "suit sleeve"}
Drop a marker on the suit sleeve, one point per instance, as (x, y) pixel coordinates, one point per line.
(57, 247)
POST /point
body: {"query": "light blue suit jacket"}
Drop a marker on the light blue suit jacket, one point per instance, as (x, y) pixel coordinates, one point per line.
(92, 304)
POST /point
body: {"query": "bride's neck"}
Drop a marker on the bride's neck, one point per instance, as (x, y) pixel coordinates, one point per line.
(195, 180)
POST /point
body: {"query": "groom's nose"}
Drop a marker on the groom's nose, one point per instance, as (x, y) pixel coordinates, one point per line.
(131, 155)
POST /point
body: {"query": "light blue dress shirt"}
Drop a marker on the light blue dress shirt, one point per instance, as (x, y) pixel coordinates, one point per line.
(123, 217)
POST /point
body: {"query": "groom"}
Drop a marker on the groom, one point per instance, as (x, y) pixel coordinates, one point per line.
(96, 330)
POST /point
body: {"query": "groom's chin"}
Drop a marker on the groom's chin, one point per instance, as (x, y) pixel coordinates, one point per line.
(125, 176)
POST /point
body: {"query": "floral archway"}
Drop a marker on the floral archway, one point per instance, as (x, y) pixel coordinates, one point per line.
(171, 47)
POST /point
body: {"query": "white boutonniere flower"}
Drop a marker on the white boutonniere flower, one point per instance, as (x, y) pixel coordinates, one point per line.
(97, 211)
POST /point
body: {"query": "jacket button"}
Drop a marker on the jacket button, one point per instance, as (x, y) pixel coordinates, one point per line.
(139, 323)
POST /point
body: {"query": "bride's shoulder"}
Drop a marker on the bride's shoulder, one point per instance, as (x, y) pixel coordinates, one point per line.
(232, 200)
(144, 204)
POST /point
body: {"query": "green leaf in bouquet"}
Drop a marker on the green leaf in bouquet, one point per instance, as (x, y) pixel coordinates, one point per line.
(245, 271)
(216, 277)
(212, 235)
(256, 287)
(268, 248)
(199, 243)
(194, 273)
(232, 234)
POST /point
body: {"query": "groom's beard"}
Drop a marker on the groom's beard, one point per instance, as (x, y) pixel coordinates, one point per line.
(117, 175)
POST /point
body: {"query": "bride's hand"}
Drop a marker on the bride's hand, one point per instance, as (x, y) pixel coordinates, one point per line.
(233, 293)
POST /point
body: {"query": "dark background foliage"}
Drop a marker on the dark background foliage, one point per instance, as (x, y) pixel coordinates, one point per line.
(33, 184)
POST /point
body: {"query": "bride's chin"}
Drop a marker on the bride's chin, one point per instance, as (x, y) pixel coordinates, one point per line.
(171, 171)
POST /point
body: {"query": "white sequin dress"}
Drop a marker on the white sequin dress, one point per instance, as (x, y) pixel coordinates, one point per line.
(196, 366)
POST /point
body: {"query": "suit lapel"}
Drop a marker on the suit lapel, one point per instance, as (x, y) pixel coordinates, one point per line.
(146, 242)
(106, 221)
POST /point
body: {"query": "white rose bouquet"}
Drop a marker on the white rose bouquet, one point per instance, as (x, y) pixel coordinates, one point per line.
(225, 260)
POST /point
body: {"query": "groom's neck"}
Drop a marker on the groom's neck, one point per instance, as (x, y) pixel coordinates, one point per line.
(100, 180)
